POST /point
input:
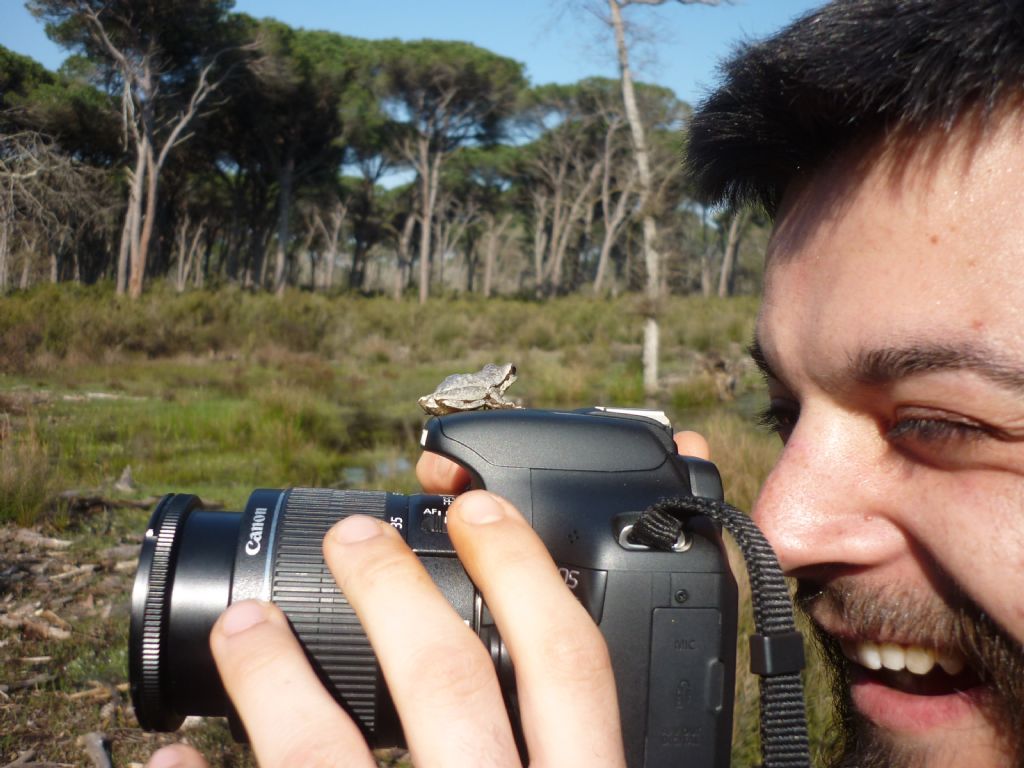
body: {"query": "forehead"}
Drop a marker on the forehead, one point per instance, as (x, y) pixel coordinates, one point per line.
(910, 242)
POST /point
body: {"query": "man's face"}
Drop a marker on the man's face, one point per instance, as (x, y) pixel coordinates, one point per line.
(892, 332)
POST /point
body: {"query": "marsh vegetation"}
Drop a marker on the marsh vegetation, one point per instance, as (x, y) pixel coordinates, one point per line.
(219, 392)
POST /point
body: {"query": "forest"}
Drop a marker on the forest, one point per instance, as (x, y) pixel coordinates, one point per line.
(186, 143)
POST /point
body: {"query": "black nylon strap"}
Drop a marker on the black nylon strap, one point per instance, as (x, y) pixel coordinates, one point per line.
(784, 742)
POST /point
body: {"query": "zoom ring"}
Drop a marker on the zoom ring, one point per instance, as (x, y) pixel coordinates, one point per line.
(321, 617)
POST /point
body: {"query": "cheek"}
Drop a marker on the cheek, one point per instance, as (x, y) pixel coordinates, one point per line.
(972, 525)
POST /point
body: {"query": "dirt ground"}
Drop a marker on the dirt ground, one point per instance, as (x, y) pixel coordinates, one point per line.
(64, 613)
(63, 645)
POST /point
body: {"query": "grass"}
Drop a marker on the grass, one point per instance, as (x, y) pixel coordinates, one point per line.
(217, 393)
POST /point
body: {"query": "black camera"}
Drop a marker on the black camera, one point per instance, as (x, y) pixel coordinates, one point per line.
(581, 478)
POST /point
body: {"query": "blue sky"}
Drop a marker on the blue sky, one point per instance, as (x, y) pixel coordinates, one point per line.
(557, 42)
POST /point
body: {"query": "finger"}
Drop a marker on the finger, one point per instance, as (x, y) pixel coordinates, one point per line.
(563, 671)
(440, 676)
(176, 756)
(289, 716)
(440, 475)
(692, 444)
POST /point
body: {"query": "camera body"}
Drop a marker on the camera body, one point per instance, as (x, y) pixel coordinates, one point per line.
(581, 478)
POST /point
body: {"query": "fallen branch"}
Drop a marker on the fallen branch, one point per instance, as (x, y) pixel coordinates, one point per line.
(30, 682)
(97, 749)
(76, 502)
(53, 618)
(23, 757)
(36, 539)
(78, 571)
(99, 691)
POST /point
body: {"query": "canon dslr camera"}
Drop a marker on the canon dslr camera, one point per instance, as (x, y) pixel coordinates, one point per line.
(581, 478)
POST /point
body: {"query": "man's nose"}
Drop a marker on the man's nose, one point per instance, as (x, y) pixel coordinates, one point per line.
(826, 504)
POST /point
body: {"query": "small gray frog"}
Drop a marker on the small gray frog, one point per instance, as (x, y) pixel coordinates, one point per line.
(483, 390)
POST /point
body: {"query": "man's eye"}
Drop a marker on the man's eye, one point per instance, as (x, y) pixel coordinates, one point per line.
(779, 418)
(932, 430)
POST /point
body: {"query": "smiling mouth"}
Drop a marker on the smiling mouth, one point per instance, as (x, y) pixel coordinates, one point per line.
(910, 669)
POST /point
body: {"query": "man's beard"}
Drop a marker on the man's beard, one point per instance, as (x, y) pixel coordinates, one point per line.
(996, 658)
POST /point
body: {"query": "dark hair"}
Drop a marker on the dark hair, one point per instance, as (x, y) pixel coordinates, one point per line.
(851, 71)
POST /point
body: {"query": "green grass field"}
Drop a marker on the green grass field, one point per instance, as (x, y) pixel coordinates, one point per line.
(216, 393)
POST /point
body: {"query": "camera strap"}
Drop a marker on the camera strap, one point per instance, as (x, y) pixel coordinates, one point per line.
(776, 648)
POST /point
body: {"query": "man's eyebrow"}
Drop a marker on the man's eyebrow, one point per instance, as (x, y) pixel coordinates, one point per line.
(887, 364)
(883, 365)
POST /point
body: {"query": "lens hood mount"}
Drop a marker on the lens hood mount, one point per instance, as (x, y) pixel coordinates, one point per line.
(150, 604)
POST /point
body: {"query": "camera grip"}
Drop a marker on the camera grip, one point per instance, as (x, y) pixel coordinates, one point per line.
(500, 449)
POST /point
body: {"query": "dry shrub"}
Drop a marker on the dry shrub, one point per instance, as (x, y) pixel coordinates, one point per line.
(26, 476)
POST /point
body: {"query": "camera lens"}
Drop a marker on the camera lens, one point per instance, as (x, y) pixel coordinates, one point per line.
(195, 562)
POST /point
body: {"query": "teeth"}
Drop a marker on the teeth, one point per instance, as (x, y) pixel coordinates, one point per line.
(893, 656)
(913, 658)
(868, 655)
(919, 660)
(952, 663)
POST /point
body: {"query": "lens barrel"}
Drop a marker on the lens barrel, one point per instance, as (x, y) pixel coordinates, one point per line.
(195, 562)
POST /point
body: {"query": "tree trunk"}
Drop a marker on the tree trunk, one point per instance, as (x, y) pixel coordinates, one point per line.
(540, 242)
(4, 252)
(283, 221)
(430, 174)
(494, 234)
(576, 213)
(141, 251)
(440, 242)
(28, 251)
(331, 256)
(732, 247)
(23, 282)
(705, 271)
(650, 229)
(404, 256)
(613, 221)
(131, 217)
(337, 221)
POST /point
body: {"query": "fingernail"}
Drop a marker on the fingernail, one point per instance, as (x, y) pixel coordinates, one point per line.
(167, 757)
(356, 528)
(480, 508)
(240, 616)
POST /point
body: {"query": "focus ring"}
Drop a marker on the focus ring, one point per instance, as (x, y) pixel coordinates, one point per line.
(320, 615)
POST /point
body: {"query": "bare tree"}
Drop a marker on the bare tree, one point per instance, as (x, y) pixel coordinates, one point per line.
(330, 226)
(446, 95)
(403, 266)
(454, 215)
(563, 170)
(144, 73)
(494, 231)
(737, 222)
(187, 241)
(652, 259)
(614, 215)
(47, 200)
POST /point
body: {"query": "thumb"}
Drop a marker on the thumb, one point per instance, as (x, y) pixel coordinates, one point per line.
(692, 444)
